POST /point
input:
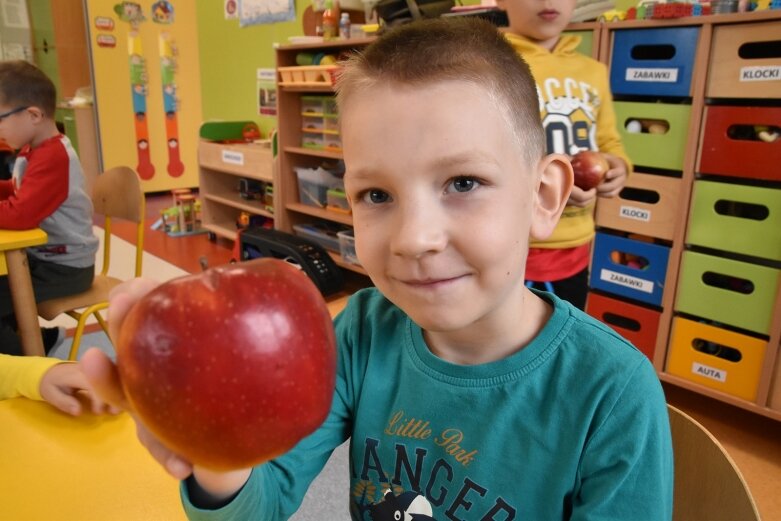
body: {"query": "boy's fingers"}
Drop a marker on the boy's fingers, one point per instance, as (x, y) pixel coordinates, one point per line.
(103, 378)
(65, 402)
(173, 464)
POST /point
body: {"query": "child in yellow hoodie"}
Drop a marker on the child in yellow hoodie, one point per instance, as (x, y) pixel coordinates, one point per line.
(577, 113)
(49, 379)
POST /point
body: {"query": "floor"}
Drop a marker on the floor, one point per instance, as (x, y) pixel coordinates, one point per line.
(753, 441)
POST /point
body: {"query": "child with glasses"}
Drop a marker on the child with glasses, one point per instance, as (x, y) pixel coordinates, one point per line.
(47, 190)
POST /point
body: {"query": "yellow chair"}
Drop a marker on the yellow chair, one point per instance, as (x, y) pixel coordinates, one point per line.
(116, 194)
(708, 484)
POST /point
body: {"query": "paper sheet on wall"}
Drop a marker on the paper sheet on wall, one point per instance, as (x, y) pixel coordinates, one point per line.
(267, 92)
(15, 14)
(254, 12)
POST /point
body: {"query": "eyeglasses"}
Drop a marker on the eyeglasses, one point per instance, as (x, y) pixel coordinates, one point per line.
(12, 112)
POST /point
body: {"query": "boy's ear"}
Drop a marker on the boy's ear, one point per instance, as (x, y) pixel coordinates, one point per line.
(553, 188)
(36, 113)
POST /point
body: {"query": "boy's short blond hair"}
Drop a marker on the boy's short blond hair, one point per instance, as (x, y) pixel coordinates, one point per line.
(453, 49)
(25, 85)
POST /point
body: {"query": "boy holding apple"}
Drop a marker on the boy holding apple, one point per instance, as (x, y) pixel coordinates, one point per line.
(577, 115)
(465, 395)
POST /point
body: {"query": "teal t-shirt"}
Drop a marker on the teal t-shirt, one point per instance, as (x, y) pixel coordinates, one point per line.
(572, 426)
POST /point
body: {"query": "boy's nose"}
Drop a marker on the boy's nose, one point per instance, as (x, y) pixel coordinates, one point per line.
(419, 230)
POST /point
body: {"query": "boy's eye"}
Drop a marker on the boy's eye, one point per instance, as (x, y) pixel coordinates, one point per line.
(463, 184)
(375, 196)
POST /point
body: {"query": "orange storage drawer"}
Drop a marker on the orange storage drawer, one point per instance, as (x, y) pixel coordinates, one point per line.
(637, 324)
(648, 205)
(732, 146)
(740, 66)
(713, 357)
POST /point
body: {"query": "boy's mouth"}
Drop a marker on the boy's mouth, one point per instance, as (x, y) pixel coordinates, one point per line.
(548, 15)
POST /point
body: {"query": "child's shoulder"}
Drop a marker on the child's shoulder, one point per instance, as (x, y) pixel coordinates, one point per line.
(592, 338)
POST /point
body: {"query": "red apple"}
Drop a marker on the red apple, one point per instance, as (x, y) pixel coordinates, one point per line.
(590, 168)
(230, 367)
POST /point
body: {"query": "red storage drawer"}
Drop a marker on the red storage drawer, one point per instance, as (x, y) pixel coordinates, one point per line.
(730, 145)
(637, 324)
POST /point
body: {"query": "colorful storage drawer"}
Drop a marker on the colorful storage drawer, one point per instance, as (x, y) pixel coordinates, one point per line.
(716, 358)
(740, 66)
(732, 292)
(647, 205)
(653, 62)
(736, 218)
(643, 280)
(655, 150)
(637, 324)
(732, 135)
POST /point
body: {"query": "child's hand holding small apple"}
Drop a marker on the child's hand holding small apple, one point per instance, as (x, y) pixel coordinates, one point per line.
(596, 174)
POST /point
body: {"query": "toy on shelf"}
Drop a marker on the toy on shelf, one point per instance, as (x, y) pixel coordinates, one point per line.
(184, 217)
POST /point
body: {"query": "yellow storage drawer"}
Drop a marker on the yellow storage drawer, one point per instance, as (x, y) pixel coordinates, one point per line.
(716, 358)
(740, 67)
(648, 205)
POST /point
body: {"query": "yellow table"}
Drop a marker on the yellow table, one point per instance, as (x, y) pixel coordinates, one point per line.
(13, 261)
(56, 467)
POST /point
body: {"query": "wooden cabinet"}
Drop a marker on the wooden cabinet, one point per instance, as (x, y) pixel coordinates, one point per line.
(708, 191)
(222, 167)
(297, 86)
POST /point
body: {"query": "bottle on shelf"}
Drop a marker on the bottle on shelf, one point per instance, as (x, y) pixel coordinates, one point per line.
(330, 21)
(344, 26)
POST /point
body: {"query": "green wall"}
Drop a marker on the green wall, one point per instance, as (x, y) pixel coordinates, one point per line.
(229, 58)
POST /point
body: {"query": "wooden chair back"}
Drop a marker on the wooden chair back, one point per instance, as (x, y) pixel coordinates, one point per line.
(708, 484)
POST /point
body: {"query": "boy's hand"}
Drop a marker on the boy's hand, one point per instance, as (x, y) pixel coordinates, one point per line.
(103, 377)
(614, 178)
(581, 198)
(64, 384)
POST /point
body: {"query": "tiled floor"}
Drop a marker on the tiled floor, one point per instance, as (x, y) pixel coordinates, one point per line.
(753, 441)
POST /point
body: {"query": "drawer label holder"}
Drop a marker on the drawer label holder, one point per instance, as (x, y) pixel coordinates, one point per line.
(657, 75)
(613, 277)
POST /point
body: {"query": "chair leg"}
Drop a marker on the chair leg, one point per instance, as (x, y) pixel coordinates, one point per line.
(83, 316)
(77, 337)
(103, 324)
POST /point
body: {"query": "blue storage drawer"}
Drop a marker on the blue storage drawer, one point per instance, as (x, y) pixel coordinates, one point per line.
(653, 62)
(642, 279)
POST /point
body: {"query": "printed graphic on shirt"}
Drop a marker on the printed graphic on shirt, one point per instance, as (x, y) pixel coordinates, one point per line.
(415, 467)
(569, 115)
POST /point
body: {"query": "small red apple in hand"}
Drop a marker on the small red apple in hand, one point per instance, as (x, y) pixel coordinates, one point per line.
(230, 367)
(590, 168)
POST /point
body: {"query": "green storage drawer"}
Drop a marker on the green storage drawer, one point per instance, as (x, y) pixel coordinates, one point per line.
(655, 150)
(586, 45)
(748, 310)
(736, 218)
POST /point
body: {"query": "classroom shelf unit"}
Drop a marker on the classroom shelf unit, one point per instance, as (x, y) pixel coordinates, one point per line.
(293, 94)
(704, 203)
(222, 169)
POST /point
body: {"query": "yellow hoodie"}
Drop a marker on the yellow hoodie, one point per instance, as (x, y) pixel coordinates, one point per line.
(21, 375)
(577, 114)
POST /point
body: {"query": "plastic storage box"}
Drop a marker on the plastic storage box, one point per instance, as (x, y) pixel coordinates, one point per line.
(313, 185)
(347, 247)
(323, 234)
